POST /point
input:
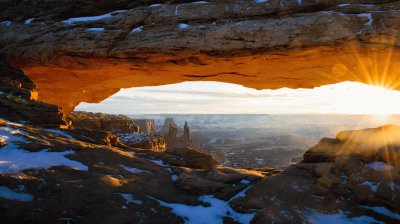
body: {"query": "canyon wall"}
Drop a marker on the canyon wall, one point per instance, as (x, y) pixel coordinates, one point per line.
(146, 126)
(103, 122)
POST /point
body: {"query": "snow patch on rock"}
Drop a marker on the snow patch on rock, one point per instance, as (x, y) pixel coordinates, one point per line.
(372, 186)
(369, 16)
(95, 29)
(28, 21)
(183, 26)
(380, 166)
(384, 211)
(134, 170)
(137, 29)
(61, 133)
(13, 159)
(244, 181)
(339, 217)
(200, 3)
(91, 18)
(7, 193)
(6, 23)
(213, 214)
(158, 162)
(134, 137)
(130, 199)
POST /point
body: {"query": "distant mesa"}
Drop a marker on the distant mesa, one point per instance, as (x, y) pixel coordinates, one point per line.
(146, 126)
(140, 133)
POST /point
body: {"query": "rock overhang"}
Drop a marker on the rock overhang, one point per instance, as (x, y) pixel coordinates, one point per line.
(259, 45)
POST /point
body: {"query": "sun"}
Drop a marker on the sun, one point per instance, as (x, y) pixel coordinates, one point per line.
(366, 99)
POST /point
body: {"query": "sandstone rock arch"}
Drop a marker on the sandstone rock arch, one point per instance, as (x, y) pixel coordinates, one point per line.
(259, 45)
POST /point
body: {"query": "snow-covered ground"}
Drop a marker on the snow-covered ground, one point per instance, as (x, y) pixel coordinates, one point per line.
(133, 137)
(7, 193)
(135, 170)
(130, 199)
(383, 211)
(137, 29)
(158, 162)
(95, 29)
(339, 217)
(204, 215)
(91, 18)
(60, 132)
(13, 159)
(371, 185)
(380, 166)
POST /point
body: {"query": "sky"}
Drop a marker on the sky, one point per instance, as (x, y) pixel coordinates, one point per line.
(224, 98)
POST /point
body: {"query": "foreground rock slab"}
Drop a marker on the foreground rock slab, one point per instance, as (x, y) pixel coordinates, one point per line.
(49, 176)
(88, 54)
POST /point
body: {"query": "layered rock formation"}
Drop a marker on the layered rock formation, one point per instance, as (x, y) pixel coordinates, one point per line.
(138, 133)
(103, 122)
(170, 130)
(52, 62)
(375, 144)
(145, 126)
(141, 186)
(172, 134)
(350, 176)
(244, 42)
(143, 141)
(87, 182)
(169, 123)
(191, 156)
(181, 147)
(18, 100)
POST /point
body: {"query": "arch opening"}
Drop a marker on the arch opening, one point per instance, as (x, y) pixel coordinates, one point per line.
(244, 127)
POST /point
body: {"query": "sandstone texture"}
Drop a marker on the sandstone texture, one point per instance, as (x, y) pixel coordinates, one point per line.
(101, 121)
(136, 186)
(146, 126)
(84, 52)
(349, 176)
(56, 54)
(18, 100)
(192, 156)
(111, 184)
(382, 144)
(117, 129)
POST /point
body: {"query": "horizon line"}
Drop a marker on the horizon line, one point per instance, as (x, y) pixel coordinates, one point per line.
(347, 114)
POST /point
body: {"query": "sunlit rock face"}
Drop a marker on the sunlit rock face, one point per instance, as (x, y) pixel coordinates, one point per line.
(356, 170)
(368, 145)
(18, 100)
(273, 44)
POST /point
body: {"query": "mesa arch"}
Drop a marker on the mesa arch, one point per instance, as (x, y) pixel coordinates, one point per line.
(262, 46)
